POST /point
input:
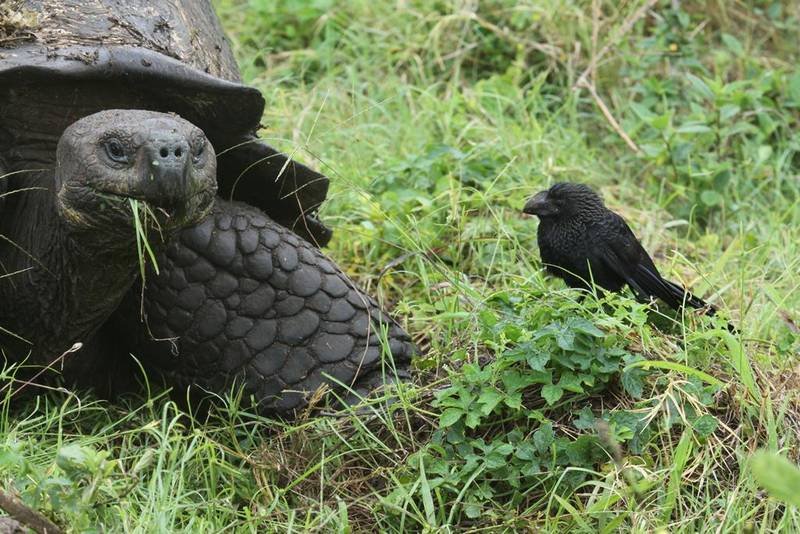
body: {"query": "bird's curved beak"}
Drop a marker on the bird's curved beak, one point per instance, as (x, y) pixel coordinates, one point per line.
(537, 204)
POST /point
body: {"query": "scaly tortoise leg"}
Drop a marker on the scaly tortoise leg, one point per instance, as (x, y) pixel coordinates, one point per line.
(243, 300)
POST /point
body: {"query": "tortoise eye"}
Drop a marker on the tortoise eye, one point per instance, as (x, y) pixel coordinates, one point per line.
(115, 151)
(199, 151)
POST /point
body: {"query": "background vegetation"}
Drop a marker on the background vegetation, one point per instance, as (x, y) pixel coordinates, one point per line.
(532, 409)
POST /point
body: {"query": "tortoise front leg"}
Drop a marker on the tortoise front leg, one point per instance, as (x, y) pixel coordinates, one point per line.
(243, 300)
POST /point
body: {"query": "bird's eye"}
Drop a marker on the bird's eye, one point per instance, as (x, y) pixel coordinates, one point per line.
(199, 151)
(115, 151)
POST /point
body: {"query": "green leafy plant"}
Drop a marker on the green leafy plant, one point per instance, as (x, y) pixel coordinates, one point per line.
(79, 480)
(717, 144)
(520, 420)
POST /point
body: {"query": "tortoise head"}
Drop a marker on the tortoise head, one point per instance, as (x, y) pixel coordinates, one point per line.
(107, 159)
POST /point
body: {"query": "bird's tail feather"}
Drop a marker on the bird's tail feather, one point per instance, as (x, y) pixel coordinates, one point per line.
(671, 293)
(681, 296)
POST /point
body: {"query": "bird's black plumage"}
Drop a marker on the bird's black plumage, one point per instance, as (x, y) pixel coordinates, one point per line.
(582, 241)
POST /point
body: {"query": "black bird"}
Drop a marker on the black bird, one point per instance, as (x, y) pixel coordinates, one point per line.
(582, 241)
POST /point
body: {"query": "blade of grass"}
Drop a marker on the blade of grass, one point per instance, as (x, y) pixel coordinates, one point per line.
(779, 476)
(681, 456)
(674, 366)
(142, 243)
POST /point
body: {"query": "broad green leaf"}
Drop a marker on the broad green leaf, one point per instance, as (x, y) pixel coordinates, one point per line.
(709, 197)
(587, 379)
(70, 457)
(693, 127)
(538, 360)
(585, 419)
(764, 153)
(700, 87)
(570, 382)
(653, 150)
(525, 451)
(728, 111)
(660, 122)
(584, 451)
(641, 111)
(565, 338)
(489, 399)
(733, 44)
(473, 510)
(583, 325)
(514, 381)
(450, 417)
(721, 179)
(705, 425)
(551, 393)
(513, 401)
(472, 419)
(632, 383)
(505, 449)
(543, 438)
(531, 467)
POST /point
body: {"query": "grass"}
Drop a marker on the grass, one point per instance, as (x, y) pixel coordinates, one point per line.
(532, 409)
(142, 214)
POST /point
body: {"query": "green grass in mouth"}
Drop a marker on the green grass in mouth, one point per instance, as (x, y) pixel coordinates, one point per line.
(142, 216)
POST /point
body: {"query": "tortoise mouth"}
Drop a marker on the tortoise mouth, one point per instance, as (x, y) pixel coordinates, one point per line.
(174, 212)
(163, 204)
(99, 208)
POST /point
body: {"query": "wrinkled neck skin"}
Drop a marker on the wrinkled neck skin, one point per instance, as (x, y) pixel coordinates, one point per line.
(66, 281)
(73, 279)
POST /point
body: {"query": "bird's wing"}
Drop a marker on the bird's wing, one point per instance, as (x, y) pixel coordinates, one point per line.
(625, 255)
(621, 252)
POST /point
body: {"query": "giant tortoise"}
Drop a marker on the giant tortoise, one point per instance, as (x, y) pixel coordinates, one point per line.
(112, 107)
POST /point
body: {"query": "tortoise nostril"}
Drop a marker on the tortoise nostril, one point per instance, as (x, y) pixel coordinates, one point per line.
(178, 152)
(164, 152)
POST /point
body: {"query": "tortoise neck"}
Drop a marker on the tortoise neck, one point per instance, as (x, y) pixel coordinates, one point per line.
(61, 283)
